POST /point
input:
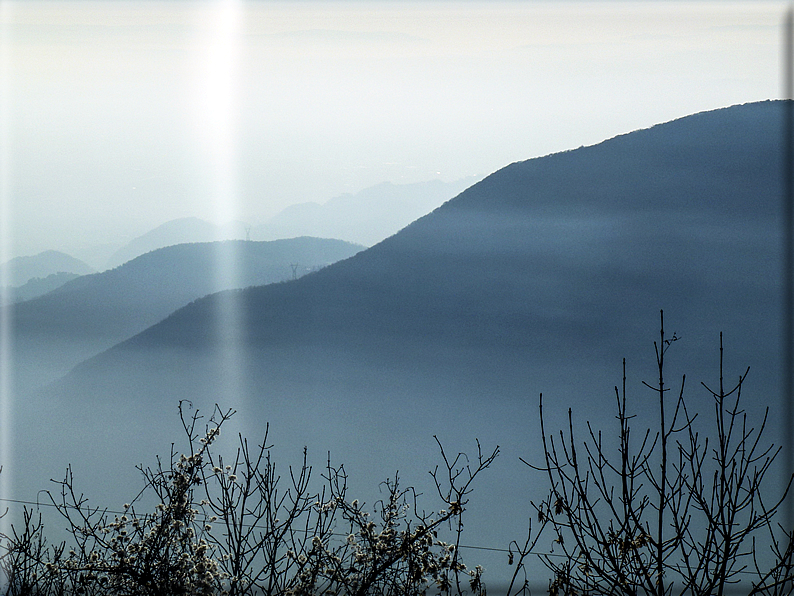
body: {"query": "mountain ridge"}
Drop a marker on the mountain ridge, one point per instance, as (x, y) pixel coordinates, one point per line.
(365, 218)
(477, 293)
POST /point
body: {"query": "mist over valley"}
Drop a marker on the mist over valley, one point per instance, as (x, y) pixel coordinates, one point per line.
(539, 278)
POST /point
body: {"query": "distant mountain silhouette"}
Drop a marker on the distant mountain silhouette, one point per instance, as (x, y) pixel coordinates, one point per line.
(177, 231)
(93, 312)
(97, 255)
(38, 286)
(539, 278)
(366, 217)
(23, 269)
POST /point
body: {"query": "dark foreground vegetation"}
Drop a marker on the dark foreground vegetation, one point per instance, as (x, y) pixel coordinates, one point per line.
(682, 508)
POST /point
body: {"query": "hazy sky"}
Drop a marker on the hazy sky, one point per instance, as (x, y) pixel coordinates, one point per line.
(117, 116)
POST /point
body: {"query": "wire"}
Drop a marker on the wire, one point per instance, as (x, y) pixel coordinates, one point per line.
(340, 534)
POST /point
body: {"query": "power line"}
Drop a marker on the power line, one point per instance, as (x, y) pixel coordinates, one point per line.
(337, 534)
(114, 512)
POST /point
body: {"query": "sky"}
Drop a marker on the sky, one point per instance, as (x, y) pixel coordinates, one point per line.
(117, 116)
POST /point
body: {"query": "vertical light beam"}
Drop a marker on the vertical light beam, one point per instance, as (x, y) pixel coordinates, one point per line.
(221, 104)
(220, 99)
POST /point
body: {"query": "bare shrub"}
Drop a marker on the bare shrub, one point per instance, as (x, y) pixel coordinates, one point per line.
(230, 527)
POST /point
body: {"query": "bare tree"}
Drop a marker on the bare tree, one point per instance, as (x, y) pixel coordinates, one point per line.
(675, 512)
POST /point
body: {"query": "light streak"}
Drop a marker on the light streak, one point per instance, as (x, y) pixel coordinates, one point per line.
(219, 102)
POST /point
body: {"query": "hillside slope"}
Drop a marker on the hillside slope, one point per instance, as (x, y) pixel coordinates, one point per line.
(680, 216)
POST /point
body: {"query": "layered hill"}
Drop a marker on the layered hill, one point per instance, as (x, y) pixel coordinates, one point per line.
(91, 313)
(20, 270)
(38, 286)
(571, 247)
(366, 217)
(186, 230)
(540, 278)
